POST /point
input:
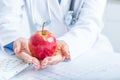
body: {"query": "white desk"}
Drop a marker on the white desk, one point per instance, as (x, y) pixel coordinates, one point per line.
(89, 66)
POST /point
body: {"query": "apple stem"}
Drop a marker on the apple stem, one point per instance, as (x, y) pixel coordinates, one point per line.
(43, 28)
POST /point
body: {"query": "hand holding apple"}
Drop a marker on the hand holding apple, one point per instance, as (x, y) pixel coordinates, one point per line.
(42, 44)
(61, 54)
(28, 50)
(22, 52)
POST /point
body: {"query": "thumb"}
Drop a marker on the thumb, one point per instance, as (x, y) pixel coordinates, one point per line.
(17, 46)
(65, 51)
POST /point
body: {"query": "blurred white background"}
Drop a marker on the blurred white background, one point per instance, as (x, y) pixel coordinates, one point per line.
(112, 23)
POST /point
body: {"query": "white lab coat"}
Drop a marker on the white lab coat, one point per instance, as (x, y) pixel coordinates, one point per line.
(82, 36)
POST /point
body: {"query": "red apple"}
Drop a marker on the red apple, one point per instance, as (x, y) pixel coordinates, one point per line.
(42, 44)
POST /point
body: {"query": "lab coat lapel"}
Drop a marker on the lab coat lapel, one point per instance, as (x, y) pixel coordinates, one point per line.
(55, 9)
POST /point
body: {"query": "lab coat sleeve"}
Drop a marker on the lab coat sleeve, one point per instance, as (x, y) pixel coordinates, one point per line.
(10, 20)
(84, 33)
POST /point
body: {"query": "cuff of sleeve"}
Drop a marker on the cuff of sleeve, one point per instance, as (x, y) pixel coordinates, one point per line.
(9, 48)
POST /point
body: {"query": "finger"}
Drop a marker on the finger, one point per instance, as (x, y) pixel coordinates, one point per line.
(51, 60)
(44, 62)
(55, 59)
(29, 59)
(36, 63)
(17, 46)
(65, 50)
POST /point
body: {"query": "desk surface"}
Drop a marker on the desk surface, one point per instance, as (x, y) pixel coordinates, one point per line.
(89, 66)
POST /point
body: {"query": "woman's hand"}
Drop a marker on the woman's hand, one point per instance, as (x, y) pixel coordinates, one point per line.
(61, 52)
(21, 50)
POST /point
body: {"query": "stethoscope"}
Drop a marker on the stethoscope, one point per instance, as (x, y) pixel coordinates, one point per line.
(70, 18)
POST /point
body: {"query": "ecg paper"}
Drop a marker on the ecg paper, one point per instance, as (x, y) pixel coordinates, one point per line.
(90, 66)
(10, 66)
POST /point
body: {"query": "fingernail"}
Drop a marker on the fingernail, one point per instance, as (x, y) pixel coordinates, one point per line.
(30, 60)
(68, 56)
(50, 59)
(44, 63)
(35, 64)
(37, 67)
(15, 50)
